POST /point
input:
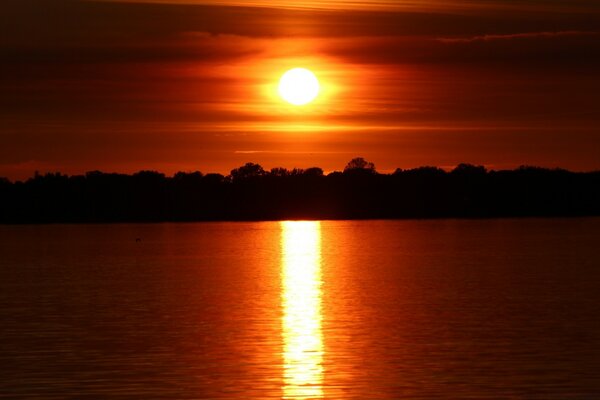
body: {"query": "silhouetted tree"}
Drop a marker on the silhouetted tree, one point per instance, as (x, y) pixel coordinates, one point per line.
(422, 171)
(313, 171)
(279, 172)
(359, 163)
(249, 170)
(213, 178)
(188, 176)
(469, 169)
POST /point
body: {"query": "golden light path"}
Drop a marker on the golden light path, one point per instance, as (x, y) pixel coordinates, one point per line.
(301, 299)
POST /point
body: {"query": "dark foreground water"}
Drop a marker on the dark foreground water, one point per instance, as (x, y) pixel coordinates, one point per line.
(336, 309)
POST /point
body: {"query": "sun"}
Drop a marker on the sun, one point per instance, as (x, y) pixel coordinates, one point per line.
(299, 86)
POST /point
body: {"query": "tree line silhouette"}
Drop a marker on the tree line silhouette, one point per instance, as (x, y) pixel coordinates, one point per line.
(252, 193)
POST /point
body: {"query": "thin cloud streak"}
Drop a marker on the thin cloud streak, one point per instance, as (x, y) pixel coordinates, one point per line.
(288, 152)
(527, 35)
(389, 5)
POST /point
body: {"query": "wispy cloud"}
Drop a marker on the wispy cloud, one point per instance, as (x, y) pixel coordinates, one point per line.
(526, 35)
(386, 5)
(289, 152)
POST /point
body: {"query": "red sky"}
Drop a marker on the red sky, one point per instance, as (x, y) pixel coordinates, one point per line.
(189, 85)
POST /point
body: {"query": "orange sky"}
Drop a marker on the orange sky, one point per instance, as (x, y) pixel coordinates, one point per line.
(116, 86)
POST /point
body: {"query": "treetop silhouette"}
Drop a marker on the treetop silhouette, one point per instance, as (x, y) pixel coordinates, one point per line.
(251, 193)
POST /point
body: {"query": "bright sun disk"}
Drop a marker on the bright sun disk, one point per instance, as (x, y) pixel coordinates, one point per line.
(299, 86)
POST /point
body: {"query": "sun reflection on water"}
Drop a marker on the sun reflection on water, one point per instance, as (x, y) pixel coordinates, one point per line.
(301, 299)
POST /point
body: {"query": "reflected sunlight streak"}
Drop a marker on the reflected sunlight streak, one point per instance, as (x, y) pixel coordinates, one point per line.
(301, 301)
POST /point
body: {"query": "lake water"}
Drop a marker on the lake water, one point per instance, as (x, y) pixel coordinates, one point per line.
(334, 309)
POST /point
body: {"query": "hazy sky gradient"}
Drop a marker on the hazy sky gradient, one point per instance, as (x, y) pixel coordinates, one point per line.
(121, 87)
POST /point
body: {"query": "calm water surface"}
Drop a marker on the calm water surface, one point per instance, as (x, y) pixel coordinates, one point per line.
(299, 310)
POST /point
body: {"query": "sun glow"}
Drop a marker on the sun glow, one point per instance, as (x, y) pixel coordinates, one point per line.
(301, 300)
(299, 86)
